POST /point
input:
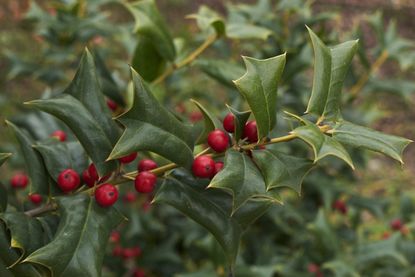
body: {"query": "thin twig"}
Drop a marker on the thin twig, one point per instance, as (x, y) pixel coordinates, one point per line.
(42, 209)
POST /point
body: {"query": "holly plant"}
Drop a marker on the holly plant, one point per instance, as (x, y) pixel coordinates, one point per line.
(223, 172)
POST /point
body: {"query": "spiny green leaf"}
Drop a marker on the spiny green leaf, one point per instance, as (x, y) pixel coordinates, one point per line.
(242, 179)
(150, 127)
(281, 170)
(322, 145)
(222, 71)
(322, 75)
(208, 19)
(205, 212)
(34, 163)
(79, 244)
(240, 121)
(150, 24)
(209, 121)
(259, 87)
(359, 136)
(341, 58)
(84, 126)
(247, 31)
(4, 157)
(59, 156)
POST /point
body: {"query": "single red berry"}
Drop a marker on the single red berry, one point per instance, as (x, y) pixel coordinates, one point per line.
(396, 224)
(35, 198)
(130, 197)
(196, 116)
(59, 134)
(128, 159)
(112, 105)
(203, 166)
(145, 181)
(88, 180)
(93, 173)
(218, 140)
(250, 131)
(117, 251)
(146, 165)
(131, 252)
(340, 206)
(115, 237)
(138, 272)
(313, 268)
(19, 180)
(218, 167)
(68, 180)
(106, 195)
(229, 123)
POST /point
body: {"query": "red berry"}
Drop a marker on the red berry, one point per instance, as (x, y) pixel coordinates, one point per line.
(19, 180)
(117, 251)
(106, 195)
(203, 166)
(130, 197)
(115, 237)
(396, 224)
(250, 131)
(340, 205)
(35, 198)
(68, 180)
(112, 105)
(132, 252)
(128, 159)
(196, 116)
(145, 181)
(93, 173)
(218, 140)
(218, 167)
(229, 123)
(138, 273)
(313, 268)
(59, 134)
(146, 165)
(90, 182)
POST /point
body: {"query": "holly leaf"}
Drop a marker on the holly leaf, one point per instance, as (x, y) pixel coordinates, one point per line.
(59, 156)
(247, 31)
(4, 157)
(322, 144)
(259, 87)
(222, 71)
(240, 121)
(363, 137)
(151, 25)
(210, 123)
(341, 268)
(242, 179)
(150, 127)
(281, 170)
(208, 20)
(33, 161)
(78, 247)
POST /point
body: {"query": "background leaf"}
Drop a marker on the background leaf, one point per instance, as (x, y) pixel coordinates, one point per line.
(210, 123)
(4, 157)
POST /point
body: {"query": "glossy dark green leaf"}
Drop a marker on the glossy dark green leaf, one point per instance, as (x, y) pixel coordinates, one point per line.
(359, 136)
(322, 75)
(4, 157)
(259, 86)
(242, 179)
(79, 245)
(26, 232)
(151, 25)
(150, 127)
(205, 212)
(59, 156)
(208, 19)
(281, 170)
(34, 163)
(84, 126)
(210, 123)
(222, 71)
(341, 58)
(9, 256)
(322, 144)
(240, 120)
(147, 61)
(247, 31)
